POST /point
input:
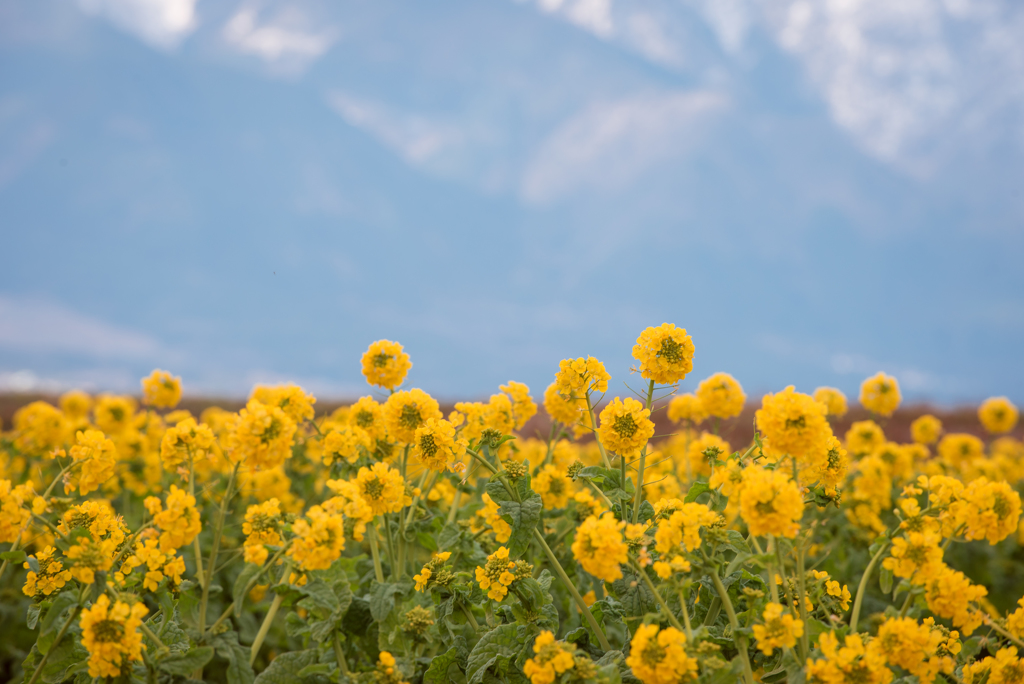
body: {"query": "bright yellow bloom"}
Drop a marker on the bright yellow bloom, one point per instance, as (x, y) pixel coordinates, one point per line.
(366, 414)
(407, 411)
(161, 390)
(665, 354)
(880, 394)
(499, 573)
(563, 409)
(382, 488)
(959, 449)
(853, 663)
(262, 525)
(51, 576)
(770, 502)
(599, 547)
(319, 539)
(1015, 620)
(840, 592)
(553, 485)
(863, 436)
(90, 556)
(263, 435)
(990, 510)
(918, 649)
(780, 629)
(551, 659)
(38, 427)
(833, 399)
(658, 656)
(386, 672)
(14, 514)
(794, 424)
(916, 557)
(998, 415)
(488, 515)
(682, 528)
(114, 414)
(721, 396)
(832, 471)
(178, 521)
(111, 635)
(698, 449)
(98, 457)
(686, 407)
(291, 399)
(75, 404)
(578, 377)
(926, 429)
(430, 569)
(385, 364)
(950, 594)
(183, 441)
(1005, 668)
(625, 427)
(523, 406)
(347, 442)
(436, 445)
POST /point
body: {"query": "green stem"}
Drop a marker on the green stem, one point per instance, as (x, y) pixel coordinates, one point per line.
(340, 656)
(212, 563)
(245, 592)
(594, 627)
(801, 600)
(686, 616)
(60, 635)
(657, 595)
(991, 623)
(469, 616)
(593, 427)
(643, 460)
(196, 548)
(855, 614)
(378, 571)
(906, 603)
(453, 512)
(713, 610)
(389, 543)
(741, 640)
(265, 627)
(153, 637)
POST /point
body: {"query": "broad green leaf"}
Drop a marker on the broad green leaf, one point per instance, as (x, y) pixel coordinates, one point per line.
(523, 517)
(320, 598)
(14, 556)
(317, 669)
(54, 619)
(32, 616)
(284, 669)
(494, 651)
(632, 592)
(437, 673)
(382, 599)
(184, 664)
(238, 592)
(66, 658)
(885, 580)
(239, 670)
(696, 489)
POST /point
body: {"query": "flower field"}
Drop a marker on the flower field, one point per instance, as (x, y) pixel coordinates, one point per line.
(664, 536)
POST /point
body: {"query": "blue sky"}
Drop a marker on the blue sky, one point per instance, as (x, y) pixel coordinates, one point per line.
(244, 191)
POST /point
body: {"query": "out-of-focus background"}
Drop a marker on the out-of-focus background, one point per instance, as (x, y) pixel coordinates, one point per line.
(242, 191)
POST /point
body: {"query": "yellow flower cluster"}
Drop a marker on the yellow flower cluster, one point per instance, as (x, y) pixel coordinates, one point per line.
(686, 408)
(721, 396)
(499, 573)
(184, 442)
(488, 516)
(261, 527)
(680, 533)
(998, 415)
(599, 547)
(51, 576)
(385, 364)
(178, 520)
(665, 354)
(1004, 668)
(770, 502)
(111, 635)
(880, 394)
(97, 456)
(833, 399)
(262, 436)
(576, 378)
(625, 427)
(551, 659)
(852, 663)
(794, 424)
(407, 411)
(658, 656)
(553, 485)
(926, 429)
(161, 390)
(436, 445)
(428, 572)
(924, 650)
(319, 539)
(159, 562)
(14, 515)
(780, 629)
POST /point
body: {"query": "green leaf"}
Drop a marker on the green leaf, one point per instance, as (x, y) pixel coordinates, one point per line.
(633, 594)
(437, 673)
(696, 489)
(646, 512)
(184, 664)
(494, 651)
(54, 620)
(382, 599)
(885, 580)
(320, 598)
(14, 556)
(317, 669)
(735, 541)
(66, 658)
(284, 669)
(241, 582)
(523, 517)
(239, 670)
(32, 616)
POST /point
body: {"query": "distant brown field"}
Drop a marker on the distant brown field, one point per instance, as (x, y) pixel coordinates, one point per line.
(737, 431)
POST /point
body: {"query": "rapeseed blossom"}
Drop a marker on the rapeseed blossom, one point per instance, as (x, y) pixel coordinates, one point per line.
(665, 354)
(625, 427)
(721, 396)
(599, 547)
(110, 632)
(880, 394)
(658, 656)
(161, 390)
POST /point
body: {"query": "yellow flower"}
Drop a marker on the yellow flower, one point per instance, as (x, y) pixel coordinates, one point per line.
(345, 441)
(880, 394)
(366, 414)
(926, 429)
(577, 378)
(551, 659)
(853, 663)
(161, 390)
(1005, 668)
(998, 415)
(38, 427)
(51, 576)
(599, 547)
(14, 514)
(918, 649)
(625, 427)
(75, 404)
(488, 515)
(428, 570)
(319, 539)
(794, 424)
(385, 364)
(114, 414)
(98, 457)
(523, 406)
(780, 630)
(916, 557)
(183, 441)
(665, 354)
(699, 462)
(721, 396)
(991, 510)
(959, 449)
(840, 592)
(686, 407)
(386, 672)
(436, 446)
(90, 556)
(499, 572)
(832, 471)
(682, 528)
(111, 635)
(1015, 620)
(179, 521)
(863, 436)
(262, 524)
(564, 410)
(553, 485)
(263, 435)
(950, 595)
(833, 399)
(382, 488)
(658, 656)
(770, 503)
(407, 411)
(291, 399)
